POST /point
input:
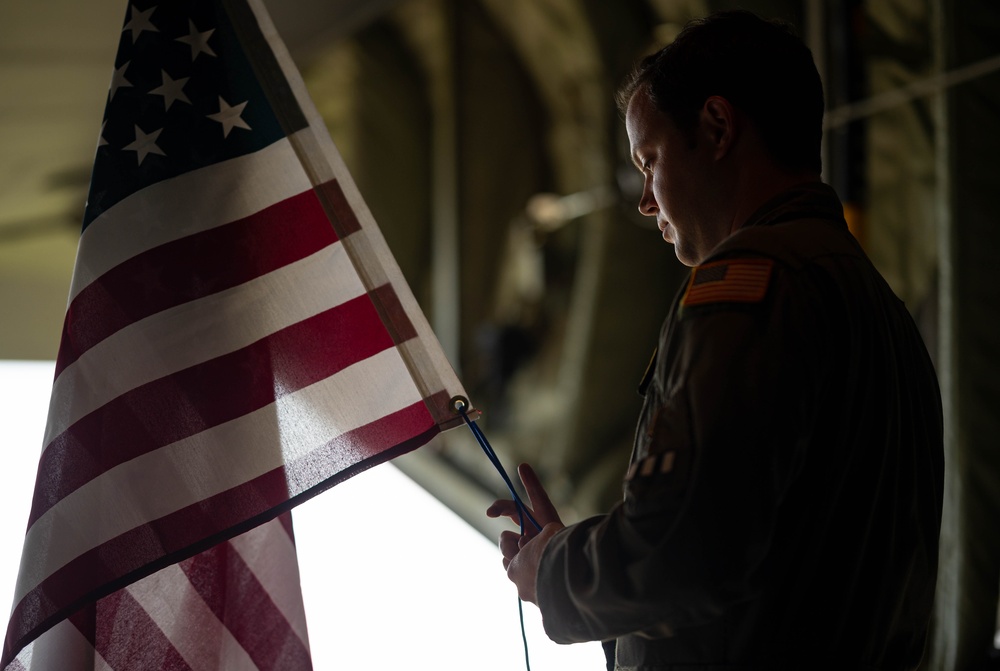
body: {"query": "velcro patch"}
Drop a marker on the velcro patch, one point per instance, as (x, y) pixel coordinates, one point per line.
(729, 281)
(652, 465)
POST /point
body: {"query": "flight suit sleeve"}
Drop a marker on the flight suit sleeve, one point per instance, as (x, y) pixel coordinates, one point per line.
(719, 441)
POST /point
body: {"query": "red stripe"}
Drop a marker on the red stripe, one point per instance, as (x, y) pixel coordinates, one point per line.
(143, 550)
(393, 314)
(735, 278)
(727, 288)
(340, 212)
(729, 295)
(126, 636)
(200, 397)
(231, 591)
(191, 268)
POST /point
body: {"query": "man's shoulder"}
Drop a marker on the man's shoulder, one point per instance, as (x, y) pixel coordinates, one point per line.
(812, 257)
(794, 226)
(793, 244)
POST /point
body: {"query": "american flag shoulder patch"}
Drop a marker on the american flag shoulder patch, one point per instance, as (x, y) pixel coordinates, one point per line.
(729, 281)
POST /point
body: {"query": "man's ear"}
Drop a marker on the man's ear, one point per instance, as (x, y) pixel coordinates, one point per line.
(719, 125)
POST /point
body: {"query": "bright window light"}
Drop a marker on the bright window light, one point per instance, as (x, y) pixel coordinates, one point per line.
(391, 578)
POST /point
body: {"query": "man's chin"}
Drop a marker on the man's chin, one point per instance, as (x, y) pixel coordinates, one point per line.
(679, 250)
(684, 256)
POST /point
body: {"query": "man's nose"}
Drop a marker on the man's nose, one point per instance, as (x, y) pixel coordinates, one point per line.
(647, 204)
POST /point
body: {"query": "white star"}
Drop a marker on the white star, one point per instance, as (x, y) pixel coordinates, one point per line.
(118, 79)
(171, 89)
(139, 22)
(144, 144)
(197, 41)
(229, 117)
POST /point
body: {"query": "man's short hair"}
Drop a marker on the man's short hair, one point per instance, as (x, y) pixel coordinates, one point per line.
(760, 66)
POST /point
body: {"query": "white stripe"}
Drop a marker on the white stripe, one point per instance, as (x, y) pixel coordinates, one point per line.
(198, 331)
(189, 203)
(62, 647)
(161, 482)
(172, 602)
(270, 554)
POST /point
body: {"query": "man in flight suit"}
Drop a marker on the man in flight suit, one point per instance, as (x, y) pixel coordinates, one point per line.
(782, 505)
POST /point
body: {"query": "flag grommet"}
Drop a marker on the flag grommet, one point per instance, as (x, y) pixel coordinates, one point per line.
(459, 404)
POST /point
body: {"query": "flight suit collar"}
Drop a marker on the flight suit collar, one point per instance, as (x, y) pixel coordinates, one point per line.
(810, 200)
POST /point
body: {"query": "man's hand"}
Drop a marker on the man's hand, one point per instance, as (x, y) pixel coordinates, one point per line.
(521, 554)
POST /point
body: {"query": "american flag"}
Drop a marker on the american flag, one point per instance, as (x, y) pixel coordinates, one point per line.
(729, 281)
(238, 338)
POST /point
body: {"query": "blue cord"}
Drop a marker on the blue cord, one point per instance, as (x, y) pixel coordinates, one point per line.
(522, 510)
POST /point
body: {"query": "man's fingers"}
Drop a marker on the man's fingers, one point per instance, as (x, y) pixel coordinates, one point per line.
(509, 544)
(522, 569)
(541, 506)
(503, 508)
